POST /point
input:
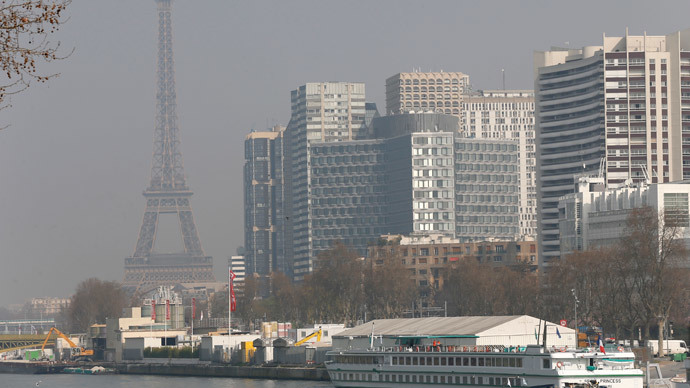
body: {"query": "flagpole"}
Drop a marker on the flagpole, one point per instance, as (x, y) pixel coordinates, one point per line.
(229, 299)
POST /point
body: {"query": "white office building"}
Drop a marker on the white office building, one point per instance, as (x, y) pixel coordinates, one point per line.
(593, 217)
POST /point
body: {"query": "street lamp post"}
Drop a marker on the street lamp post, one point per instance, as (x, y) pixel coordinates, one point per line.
(576, 331)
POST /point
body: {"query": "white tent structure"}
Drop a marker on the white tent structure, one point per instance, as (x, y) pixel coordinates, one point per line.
(495, 331)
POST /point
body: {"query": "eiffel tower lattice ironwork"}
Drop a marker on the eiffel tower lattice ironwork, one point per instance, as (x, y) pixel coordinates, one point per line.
(168, 192)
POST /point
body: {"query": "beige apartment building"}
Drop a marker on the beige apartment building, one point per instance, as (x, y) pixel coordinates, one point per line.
(508, 115)
(426, 256)
(440, 92)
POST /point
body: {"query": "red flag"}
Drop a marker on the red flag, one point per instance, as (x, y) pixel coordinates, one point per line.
(167, 309)
(233, 302)
(153, 309)
(193, 308)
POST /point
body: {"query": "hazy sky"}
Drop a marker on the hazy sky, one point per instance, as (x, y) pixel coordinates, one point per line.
(77, 154)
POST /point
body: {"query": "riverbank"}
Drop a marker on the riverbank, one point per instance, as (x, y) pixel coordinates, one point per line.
(215, 370)
(27, 367)
(176, 369)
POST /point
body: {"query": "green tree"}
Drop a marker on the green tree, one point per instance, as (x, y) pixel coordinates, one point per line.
(93, 301)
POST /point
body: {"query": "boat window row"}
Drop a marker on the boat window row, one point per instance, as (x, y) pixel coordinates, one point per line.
(358, 359)
(510, 362)
(431, 379)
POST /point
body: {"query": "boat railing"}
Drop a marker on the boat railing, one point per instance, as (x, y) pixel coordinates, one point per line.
(451, 349)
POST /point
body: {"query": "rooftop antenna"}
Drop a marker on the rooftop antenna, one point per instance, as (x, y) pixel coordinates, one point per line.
(503, 72)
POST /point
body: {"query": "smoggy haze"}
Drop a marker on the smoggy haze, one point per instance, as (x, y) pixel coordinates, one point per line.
(77, 155)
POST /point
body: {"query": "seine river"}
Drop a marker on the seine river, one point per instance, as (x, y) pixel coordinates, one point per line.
(117, 381)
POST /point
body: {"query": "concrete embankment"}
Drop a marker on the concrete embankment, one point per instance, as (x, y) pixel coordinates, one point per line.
(25, 367)
(211, 370)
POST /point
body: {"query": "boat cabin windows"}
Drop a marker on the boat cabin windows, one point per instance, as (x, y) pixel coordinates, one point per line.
(361, 359)
(501, 362)
(546, 363)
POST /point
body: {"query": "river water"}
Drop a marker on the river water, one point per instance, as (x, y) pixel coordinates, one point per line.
(138, 381)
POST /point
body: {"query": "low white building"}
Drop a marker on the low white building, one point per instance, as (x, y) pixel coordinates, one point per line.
(219, 348)
(133, 325)
(597, 217)
(328, 331)
(497, 332)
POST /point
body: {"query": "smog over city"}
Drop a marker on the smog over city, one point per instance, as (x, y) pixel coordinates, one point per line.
(345, 161)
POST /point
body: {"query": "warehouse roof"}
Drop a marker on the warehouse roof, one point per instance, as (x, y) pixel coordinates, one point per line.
(432, 326)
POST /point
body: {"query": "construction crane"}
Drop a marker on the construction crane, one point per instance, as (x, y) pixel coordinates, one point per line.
(316, 334)
(77, 351)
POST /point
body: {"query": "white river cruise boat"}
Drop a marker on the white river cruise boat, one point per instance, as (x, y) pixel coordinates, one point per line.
(484, 367)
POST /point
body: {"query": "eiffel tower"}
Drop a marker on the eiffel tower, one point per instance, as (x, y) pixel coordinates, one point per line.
(168, 192)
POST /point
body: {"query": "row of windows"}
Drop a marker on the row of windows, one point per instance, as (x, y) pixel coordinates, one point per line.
(487, 219)
(347, 190)
(347, 180)
(345, 159)
(329, 150)
(448, 111)
(512, 362)
(422, 140)
(423, 81)
(529, 106)
(486, 229)
(487, 198)
(431, 89)
(435, 379)
(486, 157)
(347, 211)
(348, 169)
(348, 200)
(460, 146)
(432, 97)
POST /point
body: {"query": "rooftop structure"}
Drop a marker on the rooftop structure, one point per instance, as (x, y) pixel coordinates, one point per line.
(509, 330)
(440, 92)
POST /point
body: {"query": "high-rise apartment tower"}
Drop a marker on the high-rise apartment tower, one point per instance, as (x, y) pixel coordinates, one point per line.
(321, 112)
(508, 115)
(264, 204)
(620, 110)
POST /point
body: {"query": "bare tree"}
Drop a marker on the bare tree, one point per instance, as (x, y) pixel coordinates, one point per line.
(335, 286)
(26, 27)
(653, 243)
(94, 301)
(388, 287)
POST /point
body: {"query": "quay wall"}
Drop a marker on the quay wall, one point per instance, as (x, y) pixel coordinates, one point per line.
(30, 367)
(210, 370)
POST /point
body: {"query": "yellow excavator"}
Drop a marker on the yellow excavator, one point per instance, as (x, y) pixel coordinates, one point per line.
(78, 352)
(316, 334)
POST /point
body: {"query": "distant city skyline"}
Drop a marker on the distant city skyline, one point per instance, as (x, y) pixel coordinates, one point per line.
(77, 152)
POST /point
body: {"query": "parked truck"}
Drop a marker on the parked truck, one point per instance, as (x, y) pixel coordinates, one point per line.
(670, 347)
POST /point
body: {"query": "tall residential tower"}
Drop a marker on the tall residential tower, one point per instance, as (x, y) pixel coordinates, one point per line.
(264, 204)
(620, 111)
(321, 112)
